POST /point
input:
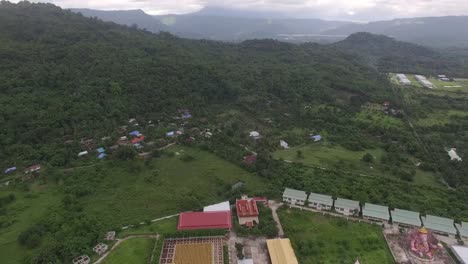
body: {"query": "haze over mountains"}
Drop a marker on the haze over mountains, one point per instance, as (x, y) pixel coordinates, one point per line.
(235, 25)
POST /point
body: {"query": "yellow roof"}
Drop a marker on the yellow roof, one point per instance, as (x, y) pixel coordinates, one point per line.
(281, 251)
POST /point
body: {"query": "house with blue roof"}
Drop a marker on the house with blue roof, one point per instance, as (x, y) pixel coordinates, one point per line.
(316, 138)
(101, 150)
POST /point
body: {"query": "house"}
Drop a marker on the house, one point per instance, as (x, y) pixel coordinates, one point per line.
(247, 212)
(84, 259)
(375, 212)
(110, 236)
(463, 229)
(101, 150)
(461, 253)
(439, 225)
(281, 251)
(315, 138)
(453, 154)
(402, 79)
(138, 139)
(204, 220)
(82, 153)
(11, 169)
(250, 159)
(100, 248)
(405, 218)
(32, 168)
(170, 134)
(254, 135)
(224, 206)
(294, 197)
(320, 201)
(347, 207)
(101, 155)
(284, 144)
(135, 133)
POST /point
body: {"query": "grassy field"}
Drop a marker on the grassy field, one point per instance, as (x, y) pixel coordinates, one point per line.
(166, 226)
(325, 239)
(134, 250)
(24, 211)
(441, 117)
(165, 186)
(379, 119)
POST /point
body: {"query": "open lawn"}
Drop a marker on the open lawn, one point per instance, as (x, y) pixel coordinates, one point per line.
(325, 239)
(134, 250)
(22, 213)
(131, 193)
(166, 226)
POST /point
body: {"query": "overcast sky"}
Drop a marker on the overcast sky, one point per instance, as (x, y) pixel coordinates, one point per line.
(358, 10)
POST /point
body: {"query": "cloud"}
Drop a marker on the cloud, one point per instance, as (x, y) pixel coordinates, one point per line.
(363, 10)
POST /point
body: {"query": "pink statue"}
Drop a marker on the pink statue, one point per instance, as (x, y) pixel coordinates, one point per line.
(423, 243)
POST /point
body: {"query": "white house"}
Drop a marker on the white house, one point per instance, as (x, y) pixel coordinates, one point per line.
(375, 212)
(347, 207)
(284, 144)
(294, 197)
(254, 135)
(320, 201)
(453, 154)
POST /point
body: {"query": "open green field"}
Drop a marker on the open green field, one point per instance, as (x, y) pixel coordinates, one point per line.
(166, 226)
(134, 250)
(23, 212)
(379, 119)
(325, 239)
(165, 186)
(457, 86)
(441, 117)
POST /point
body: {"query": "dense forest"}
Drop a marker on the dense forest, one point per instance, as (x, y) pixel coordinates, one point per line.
(67, 78)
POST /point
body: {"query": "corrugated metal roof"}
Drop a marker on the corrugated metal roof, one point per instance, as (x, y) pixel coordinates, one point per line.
(320, 198)
(376, 211)
(281, 251)
(406, 217)
(464, 229)
(224, 206)
(301, 195)
(205, 220)
(461, 253)
(346, 204)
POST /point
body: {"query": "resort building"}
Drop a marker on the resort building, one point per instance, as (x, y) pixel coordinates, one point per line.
(294, 197)
(204, 220)
(281, 251)
(406, 218)
(402, 79)
(375, 212)
(247, 212)
(439, 225)
(347, 207)
(463, 229)
(461, 253)
(320, 201)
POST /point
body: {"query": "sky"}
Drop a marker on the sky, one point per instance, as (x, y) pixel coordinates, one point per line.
(356, 10)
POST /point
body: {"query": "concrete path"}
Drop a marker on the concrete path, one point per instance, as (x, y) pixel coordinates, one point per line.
(274, 206)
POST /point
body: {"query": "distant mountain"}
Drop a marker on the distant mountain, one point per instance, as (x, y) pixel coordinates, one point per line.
(125, 17)
(391, 55)
(429, 31)
(237, 12)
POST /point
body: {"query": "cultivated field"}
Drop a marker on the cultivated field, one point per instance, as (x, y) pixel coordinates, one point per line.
(206, 250)
(134, 250)
(325, 239)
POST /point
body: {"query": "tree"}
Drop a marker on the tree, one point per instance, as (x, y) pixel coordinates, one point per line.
(299, 154)
(368, 158)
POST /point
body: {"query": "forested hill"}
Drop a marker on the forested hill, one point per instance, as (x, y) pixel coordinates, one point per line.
(390, 55)
(64, 76)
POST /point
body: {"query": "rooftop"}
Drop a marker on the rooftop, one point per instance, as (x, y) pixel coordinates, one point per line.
(321, 198)
(464, 229)
(347, 204)
(224, 206)
(376, 211)
(281, 251)
(205, 220)
(461, 253)
(440, 224)
(246, 208)
(406, 217)
(301, 195)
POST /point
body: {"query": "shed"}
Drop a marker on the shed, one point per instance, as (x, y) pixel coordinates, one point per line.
(375, 212)
(284, 144)
(101, 156)
(82, 153)
(101, 150)
(439, 224)
(453, 154)
(405, 217)
(32, 168)
(281, 251)
(11, 169)
(346, 206)
(170, 134)
(294, 196)
(320, 201)
(204, 220)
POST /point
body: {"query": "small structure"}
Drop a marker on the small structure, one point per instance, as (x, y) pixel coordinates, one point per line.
(137, 146)
(402, 79)
(205, 220)
(101, 155)
(247, 212)
(138, 139)
(461, 253)
(135, 133)
(32, 168)
(294, 197)
(463, 229)
(82, 153)
(132, 120)
(347, 207)
(284, 144)
(439, 225)
(254, 135)
(320, 201)
(250, 159)
(8, 170)
(101, 150)
(84, 259)
(453, 154)
(110, 236)
(316, 138)
(224, 206)
(405, 218)
(100, 248)
(245, 261)
(281, 251)
(208, 134)
(375, 212)
(170, 134)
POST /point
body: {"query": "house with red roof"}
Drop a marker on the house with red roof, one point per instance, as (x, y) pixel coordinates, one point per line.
(205, 220)
(247, 212)
(32, 168)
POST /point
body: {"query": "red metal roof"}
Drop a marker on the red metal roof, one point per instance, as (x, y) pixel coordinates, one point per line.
(205, 220)
(246, 208)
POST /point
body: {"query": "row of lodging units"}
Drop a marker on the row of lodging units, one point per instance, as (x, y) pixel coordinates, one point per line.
(374, 212)
(425, 82)
(402, 79)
